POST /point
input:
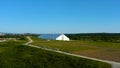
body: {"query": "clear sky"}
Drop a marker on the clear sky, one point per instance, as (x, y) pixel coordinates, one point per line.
(59, 16)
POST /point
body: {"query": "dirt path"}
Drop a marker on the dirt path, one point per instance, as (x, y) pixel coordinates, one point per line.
(114, 64)
(30, 41)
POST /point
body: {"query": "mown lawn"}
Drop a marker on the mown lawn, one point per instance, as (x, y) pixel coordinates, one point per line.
(15, 55)
(101, 50)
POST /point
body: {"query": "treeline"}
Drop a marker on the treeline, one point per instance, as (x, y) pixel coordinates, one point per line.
(17, 36)
(106, 37)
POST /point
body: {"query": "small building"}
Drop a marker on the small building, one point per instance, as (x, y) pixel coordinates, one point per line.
(54, 37)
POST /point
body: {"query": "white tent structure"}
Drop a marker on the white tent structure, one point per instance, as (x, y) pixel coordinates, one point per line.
(63, 37)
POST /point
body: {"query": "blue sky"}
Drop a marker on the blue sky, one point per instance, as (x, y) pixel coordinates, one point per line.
(59, 16)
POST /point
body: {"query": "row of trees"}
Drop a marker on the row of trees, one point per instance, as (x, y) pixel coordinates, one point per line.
(17, 36)
(106, 37)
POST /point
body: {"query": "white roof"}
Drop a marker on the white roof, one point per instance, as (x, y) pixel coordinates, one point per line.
(63, 37)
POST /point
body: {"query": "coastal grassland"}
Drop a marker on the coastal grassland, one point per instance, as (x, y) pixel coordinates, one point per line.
(15, 55)
(100, 49)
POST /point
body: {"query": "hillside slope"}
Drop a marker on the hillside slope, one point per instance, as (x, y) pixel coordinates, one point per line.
(13, 55)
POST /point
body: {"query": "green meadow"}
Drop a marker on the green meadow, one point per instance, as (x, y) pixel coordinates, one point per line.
(100, 49)
(13, 54)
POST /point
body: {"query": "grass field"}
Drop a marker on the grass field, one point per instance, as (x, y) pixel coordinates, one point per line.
(101, 50)
(15, 55)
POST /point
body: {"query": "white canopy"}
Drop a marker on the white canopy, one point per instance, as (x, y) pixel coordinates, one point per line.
(63, 37)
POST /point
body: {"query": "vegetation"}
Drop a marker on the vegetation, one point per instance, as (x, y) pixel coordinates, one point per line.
(96, 49)
(18, 36)
(106, 37)
(15, 55)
